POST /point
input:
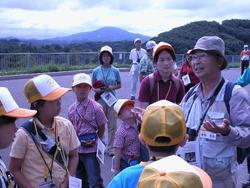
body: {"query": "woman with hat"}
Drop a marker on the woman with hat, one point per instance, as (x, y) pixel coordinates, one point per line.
(162, 84)
(146, 63)
(187, 73)
(110, 80)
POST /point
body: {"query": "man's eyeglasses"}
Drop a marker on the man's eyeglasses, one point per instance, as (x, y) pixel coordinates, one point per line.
(196, 57)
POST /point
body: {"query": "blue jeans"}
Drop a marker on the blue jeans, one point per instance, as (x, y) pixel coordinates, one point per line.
(88, 170)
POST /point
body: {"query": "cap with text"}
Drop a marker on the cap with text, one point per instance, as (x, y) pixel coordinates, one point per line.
(43, 87)
(9, 107)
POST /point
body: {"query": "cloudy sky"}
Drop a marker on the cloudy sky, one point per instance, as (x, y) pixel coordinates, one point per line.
(50, 18)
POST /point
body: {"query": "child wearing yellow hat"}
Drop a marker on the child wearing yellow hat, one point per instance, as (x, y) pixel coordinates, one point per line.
(163, 130)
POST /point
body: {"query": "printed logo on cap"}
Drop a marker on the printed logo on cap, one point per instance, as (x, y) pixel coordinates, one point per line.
(45, 84)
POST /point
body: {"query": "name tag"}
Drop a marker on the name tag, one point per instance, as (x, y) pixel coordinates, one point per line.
(75, 182)
(208, 135)
(186, 80)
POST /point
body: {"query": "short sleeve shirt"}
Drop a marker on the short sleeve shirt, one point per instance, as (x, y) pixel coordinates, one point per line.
(128, 178)
(110, 75)
(146, 65)
(126, 138)
(87, 117)
(167, 90)
(24, 148)
(136, 55)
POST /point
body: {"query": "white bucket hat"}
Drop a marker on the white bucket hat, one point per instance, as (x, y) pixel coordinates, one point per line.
(120, 103)
(81, 78)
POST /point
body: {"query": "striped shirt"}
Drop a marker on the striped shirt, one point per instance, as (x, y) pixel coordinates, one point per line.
(87, 117)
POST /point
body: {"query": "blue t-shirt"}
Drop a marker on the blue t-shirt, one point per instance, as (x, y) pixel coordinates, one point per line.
(128, 178)
(109, 75)
(245, 78)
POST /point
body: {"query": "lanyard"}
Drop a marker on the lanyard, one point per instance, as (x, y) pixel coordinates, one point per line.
(105, 77)
(58, 150)
(216, 92)
(158, 91)
(6, 176)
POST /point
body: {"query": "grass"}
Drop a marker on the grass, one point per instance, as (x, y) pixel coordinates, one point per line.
(65, 67)
(54, 68)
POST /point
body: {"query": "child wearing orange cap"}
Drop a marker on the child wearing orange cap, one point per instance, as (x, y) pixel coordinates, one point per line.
(9, 112)
(126, 142)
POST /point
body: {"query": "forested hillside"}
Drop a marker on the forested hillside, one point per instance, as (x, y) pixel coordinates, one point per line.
(235, 32)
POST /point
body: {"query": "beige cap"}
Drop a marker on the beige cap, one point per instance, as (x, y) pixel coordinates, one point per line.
(120, 103)
(106, 49)
(8, 106)
(81, 78)
(43, 87)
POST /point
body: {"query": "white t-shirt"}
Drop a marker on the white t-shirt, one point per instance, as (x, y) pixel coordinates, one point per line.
(136, 55)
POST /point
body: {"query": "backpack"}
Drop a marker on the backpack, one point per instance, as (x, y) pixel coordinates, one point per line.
(241, 152)
(152, 81)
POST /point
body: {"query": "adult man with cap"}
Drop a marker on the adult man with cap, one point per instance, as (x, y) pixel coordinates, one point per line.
(9, 112)
(244, 58)
(44, 152)
(163, 130)
(135, 56)
(218, 122)
(146, 63)
(162, 84)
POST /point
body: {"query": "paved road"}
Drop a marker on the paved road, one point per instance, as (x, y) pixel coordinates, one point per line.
(16, 88)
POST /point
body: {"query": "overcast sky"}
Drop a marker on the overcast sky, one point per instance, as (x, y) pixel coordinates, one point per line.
(50, 18)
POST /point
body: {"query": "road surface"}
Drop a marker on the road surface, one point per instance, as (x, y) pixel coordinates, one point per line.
(16, 88)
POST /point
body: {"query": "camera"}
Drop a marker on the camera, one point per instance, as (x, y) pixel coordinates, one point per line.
(192, 134)
(49, 145)
(138, 60)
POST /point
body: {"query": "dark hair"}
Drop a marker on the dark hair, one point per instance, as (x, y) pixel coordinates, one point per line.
(36, 105)
(156, 56)
(100, 57)
(164, 149)
(6, 120)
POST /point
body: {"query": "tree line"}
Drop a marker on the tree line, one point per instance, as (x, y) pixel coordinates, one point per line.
(234, 32)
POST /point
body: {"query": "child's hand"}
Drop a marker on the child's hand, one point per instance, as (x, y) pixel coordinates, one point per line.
(138, 112)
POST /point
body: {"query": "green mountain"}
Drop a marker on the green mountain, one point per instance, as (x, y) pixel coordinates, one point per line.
(234, 32)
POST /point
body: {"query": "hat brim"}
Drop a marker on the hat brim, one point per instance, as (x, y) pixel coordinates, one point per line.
(128, 102)
(77, 83)
(224, 64)
(21, 113)
(205, 179)
(56, 94)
